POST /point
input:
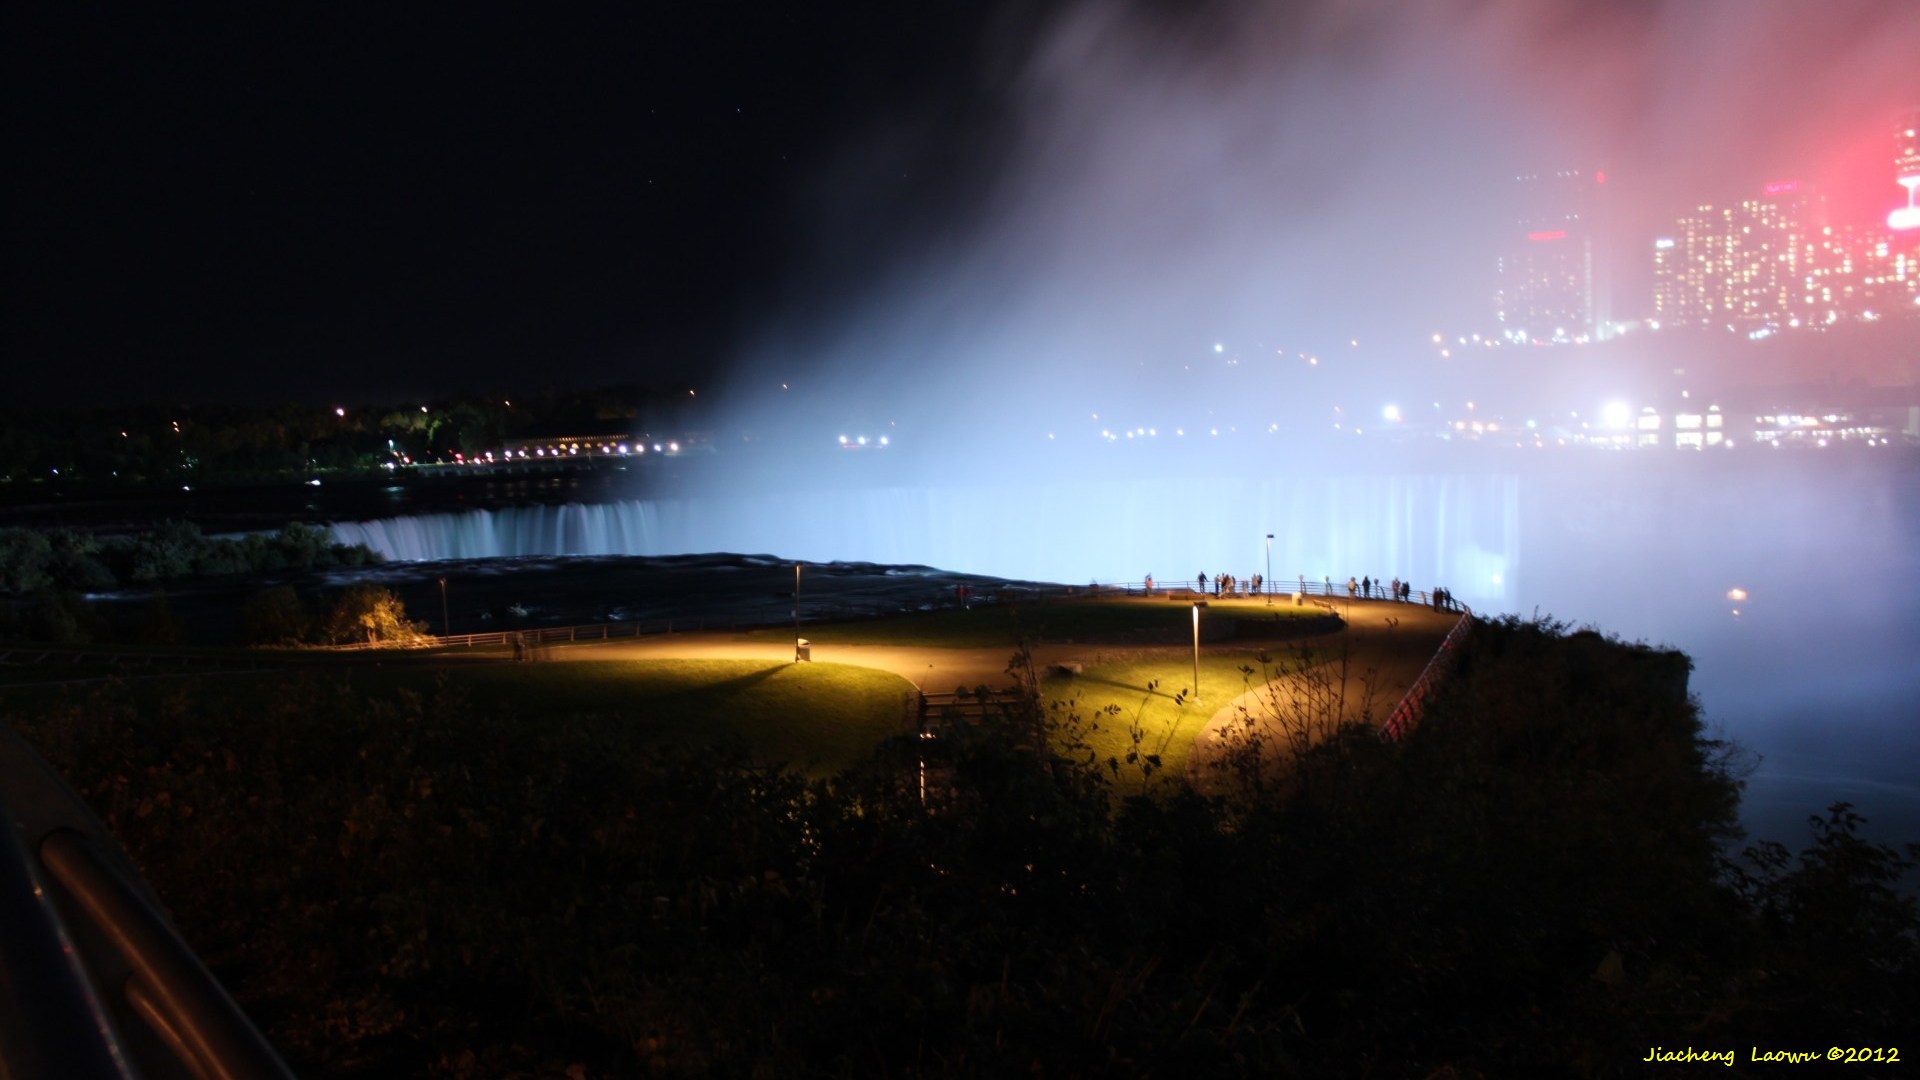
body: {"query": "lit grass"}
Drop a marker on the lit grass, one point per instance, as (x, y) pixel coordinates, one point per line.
(818, 718)
(1137, 621)
(1169, 717)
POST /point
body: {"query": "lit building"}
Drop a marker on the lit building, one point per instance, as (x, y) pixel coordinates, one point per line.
(1906, 169)
(1873, 271)
(1553, 269)
(1893, 269)
(1747, 267)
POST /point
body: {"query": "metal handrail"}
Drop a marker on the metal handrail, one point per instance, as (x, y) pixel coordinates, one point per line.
(167, 986)
(130, 996)
(52, 1024)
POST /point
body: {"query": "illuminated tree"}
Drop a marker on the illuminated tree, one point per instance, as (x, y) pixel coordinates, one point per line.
(371, 614)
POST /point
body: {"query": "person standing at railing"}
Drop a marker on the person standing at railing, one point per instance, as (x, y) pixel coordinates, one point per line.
(1366, 587)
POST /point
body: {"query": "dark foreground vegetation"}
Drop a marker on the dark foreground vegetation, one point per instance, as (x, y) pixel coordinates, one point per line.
(1533, 884)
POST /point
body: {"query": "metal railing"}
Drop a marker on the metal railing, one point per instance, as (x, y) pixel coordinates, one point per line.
(1407, 713)
(94, 980)
(1318, 593)
(809, 614)
(1242, 590)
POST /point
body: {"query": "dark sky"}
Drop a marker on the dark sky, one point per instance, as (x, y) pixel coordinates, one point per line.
(329, 203)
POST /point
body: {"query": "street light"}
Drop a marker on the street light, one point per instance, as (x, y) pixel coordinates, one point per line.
(446, 625)
(1266, 583)
(1197, 605)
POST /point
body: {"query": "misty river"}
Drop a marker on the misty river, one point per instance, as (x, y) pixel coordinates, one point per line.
(1789, 581)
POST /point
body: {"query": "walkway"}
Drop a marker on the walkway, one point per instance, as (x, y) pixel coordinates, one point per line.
(1388, 644)
(930, 668)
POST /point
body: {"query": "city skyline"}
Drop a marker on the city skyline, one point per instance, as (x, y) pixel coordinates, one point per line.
(334, 207)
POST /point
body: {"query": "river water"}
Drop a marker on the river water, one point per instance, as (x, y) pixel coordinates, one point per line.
(1787, 577)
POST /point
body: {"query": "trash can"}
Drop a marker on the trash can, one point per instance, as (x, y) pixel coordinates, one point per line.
(803, 649)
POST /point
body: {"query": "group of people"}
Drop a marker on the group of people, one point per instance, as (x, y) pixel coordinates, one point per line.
(1364, 588)
(1224, 584)
(1367, 587)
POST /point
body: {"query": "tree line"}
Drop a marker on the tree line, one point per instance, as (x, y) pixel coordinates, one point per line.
(71, 559)
(45, 576)
(141, 447)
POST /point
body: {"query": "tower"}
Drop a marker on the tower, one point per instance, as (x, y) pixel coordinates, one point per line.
(1906, 169)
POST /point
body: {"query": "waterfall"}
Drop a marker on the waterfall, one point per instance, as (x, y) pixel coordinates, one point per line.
(1462, 531)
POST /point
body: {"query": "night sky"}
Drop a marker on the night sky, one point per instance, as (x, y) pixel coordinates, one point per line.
(336, 204)
(317, 201)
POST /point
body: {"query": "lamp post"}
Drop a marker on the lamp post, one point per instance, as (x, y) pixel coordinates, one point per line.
(446, 625)
(1266, 583)
(1197, 605)
(798, 642)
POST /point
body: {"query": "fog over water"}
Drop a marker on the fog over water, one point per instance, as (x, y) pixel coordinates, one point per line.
(1196, 252)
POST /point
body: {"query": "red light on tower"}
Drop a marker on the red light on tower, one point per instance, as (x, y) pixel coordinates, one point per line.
(1600, 177)
(1552, 234)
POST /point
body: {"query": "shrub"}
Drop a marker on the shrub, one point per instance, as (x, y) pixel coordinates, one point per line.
(373, 615)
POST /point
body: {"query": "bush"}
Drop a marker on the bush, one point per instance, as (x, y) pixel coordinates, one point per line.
(25, 557)
(371, 614)
(275, 616)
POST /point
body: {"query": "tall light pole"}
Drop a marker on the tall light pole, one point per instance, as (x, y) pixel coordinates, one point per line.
(1197, 605)
(796, 611)
(1266, 583)
(446, 625)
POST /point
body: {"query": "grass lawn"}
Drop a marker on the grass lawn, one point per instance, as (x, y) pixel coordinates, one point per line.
(821, 717)
(818, 718)
(1138, 621)
(1168, 726)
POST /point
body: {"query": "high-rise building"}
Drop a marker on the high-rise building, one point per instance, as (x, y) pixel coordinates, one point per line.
(1746, 266)
(1553, 271)
(1774, 262)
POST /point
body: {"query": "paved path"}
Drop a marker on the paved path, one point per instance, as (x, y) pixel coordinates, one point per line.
(934, 670)
(1388, 645)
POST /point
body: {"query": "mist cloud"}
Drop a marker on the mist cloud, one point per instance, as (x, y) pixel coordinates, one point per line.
(1147, 182)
